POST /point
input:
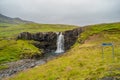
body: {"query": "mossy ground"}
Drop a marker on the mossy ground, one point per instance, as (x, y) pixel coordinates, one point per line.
(11, 50)
(83, 61)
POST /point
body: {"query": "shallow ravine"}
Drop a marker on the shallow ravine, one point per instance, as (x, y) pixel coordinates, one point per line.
(20, 65)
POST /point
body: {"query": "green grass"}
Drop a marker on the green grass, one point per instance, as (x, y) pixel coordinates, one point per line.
(12, 30)
(2, 67)
(83, 61)
(11, 50)
(94, 29)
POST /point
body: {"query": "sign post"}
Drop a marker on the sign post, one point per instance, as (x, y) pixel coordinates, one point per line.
(107, 44)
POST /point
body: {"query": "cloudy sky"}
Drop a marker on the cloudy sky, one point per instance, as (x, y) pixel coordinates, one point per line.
(77, 12)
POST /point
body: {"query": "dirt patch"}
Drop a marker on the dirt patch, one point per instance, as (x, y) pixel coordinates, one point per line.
(94, 38)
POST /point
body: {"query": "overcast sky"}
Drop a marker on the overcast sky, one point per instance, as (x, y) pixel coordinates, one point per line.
(77, 12)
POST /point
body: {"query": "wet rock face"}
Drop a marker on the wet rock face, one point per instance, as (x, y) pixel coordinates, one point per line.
(48, 36)
(47, 40)
(71, 37)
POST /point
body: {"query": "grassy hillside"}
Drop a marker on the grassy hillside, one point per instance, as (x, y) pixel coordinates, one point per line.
(94, 29)
(12, 30)
(11, 50)
(83, 61)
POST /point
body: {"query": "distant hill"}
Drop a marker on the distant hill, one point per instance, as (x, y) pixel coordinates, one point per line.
(9, 27)
(5, 19)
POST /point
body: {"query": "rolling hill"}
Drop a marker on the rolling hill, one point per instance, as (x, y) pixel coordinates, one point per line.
(5, 19)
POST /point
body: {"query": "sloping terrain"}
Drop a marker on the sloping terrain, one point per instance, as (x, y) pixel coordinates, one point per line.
(84, 61)
(12, 49)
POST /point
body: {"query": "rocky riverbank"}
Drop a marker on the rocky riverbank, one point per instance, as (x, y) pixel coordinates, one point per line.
(17, 66)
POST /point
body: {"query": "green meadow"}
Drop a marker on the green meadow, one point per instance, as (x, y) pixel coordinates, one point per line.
(84, 60)
(12, 30)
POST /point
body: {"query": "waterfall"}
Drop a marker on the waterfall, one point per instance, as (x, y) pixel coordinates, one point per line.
(60, 43)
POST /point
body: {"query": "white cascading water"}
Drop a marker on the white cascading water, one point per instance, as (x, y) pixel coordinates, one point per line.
(60, 43)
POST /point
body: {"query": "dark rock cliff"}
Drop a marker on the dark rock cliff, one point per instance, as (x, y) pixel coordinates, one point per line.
(71, 36)
(47, 40)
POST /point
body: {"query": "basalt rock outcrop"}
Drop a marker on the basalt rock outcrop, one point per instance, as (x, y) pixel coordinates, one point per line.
(71, 36)
(47, 40)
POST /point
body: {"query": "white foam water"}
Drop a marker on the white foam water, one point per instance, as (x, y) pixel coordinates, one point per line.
(60, 43)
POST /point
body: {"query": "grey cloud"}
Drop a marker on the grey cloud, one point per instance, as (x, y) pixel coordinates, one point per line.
(78, 12)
